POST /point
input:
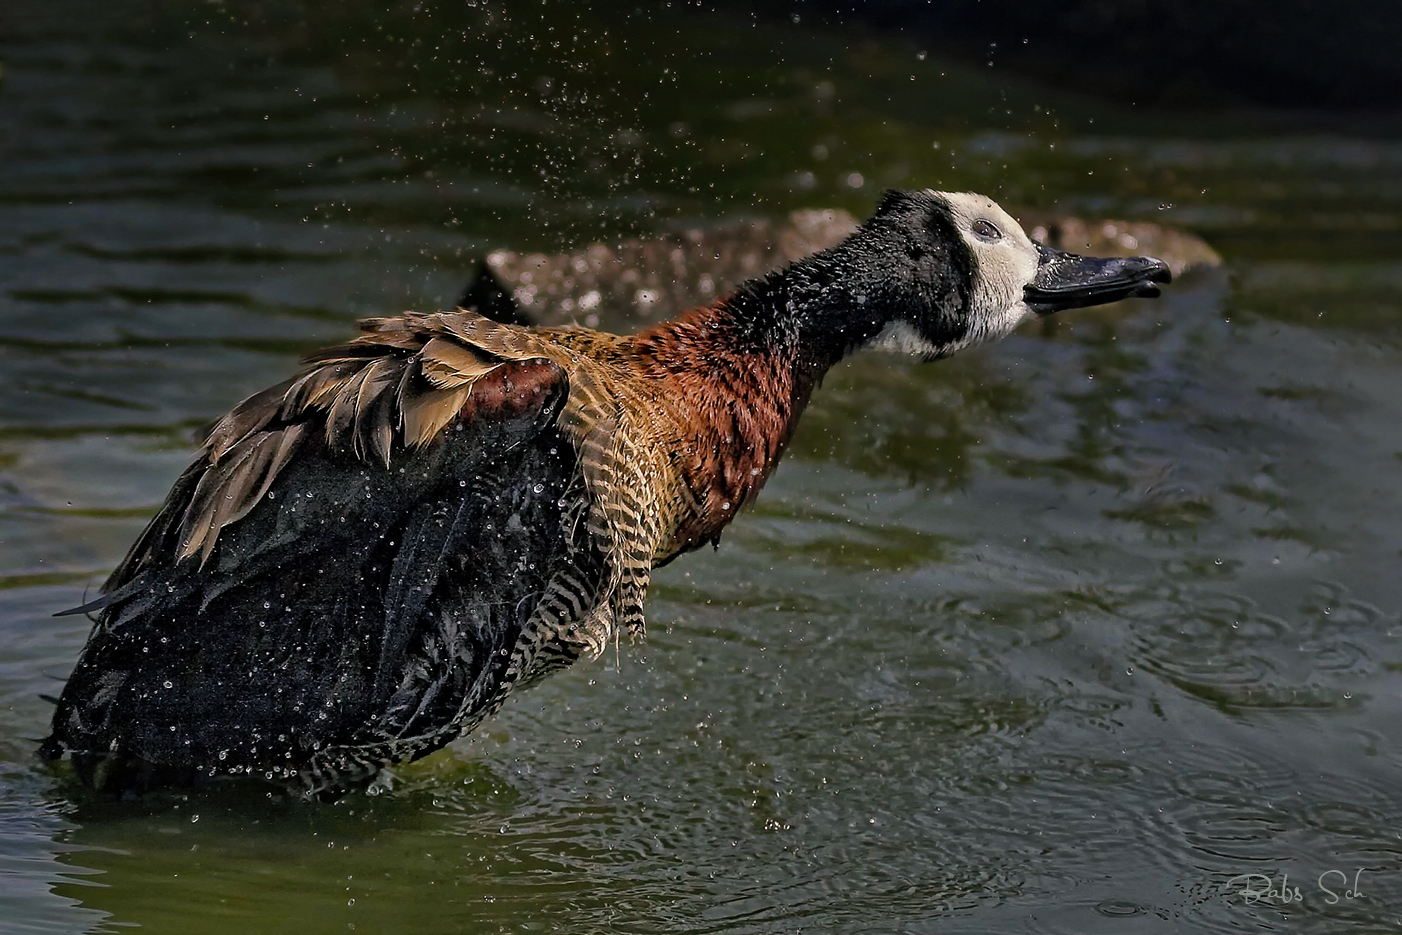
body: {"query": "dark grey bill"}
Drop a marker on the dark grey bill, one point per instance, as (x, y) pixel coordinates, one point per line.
(1065, 280)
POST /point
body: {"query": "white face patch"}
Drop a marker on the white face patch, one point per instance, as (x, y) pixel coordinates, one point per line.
(1005, 260)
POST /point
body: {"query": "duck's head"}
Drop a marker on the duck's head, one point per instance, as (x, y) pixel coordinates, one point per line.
(931, 273)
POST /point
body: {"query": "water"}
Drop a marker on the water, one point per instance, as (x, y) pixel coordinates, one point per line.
(1064, 635)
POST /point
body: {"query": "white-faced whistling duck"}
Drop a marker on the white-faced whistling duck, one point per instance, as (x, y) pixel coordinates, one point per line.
(364, 561)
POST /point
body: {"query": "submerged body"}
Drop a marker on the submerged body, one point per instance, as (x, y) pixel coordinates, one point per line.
(366, 560)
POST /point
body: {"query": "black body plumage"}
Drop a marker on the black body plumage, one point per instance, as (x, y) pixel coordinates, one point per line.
(366, 616)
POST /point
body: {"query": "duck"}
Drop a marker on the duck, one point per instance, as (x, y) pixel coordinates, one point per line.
(365, 561)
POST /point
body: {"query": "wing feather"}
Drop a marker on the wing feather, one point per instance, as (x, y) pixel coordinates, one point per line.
(371, 396)
(424, 414)
(371, 429)
(363, 576)
(448, 364)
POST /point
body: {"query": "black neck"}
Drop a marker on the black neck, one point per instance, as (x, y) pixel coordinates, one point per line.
(823, 307)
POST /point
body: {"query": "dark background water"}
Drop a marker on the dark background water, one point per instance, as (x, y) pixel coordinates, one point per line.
(1058, 636)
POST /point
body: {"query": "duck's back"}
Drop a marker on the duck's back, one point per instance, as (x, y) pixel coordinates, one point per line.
(310, 606)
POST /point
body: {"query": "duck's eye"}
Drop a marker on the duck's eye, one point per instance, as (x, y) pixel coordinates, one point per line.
(985, 231)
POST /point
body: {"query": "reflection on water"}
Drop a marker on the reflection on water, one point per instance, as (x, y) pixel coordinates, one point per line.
(1060, 636)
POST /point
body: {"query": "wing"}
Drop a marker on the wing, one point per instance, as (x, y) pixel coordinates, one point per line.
(362, 563)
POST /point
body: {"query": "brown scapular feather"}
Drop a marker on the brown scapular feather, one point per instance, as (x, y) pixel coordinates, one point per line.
(369, 396)
(372, 432)
(447, 364)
